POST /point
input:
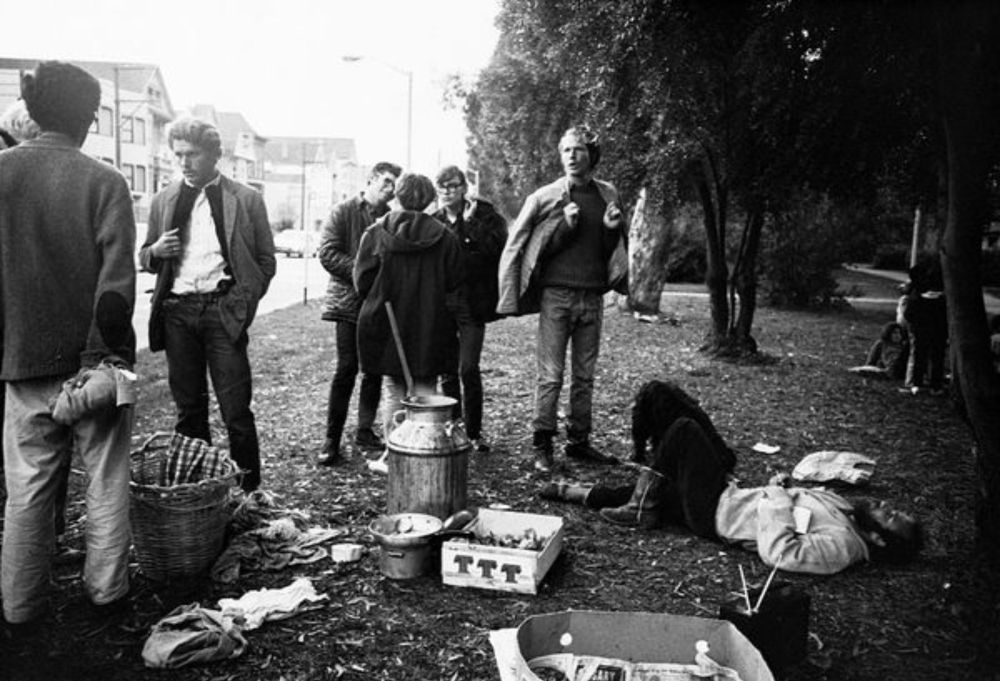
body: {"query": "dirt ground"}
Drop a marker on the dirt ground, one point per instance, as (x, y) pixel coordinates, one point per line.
(933, 619)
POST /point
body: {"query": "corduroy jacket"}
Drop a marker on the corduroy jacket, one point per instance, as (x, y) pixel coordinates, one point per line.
(541, 229)
(337, 250)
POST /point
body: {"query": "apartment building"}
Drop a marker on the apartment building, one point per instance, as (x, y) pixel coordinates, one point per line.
(310, 173)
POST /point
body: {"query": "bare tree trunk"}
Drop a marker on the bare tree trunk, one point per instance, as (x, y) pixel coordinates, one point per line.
(713, 203)
(969, 119)
(745, 279)
(649, 240)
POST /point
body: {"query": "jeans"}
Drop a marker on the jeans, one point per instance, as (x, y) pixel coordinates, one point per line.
(35, 449)
(195, 339)
(342, 386)
(469, 392)
(694, 473)
(567, 317)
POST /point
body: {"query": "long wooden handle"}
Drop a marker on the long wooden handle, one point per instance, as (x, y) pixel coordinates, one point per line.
(399, 349)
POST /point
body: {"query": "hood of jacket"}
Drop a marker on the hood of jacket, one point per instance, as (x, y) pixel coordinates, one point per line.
(404, 231)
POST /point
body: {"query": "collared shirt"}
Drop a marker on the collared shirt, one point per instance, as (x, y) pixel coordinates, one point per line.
(202, 266)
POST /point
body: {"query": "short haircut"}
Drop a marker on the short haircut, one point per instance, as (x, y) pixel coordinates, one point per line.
(18, 123)
(61, 97)
(589, 139)
(198, 132)
(414, 191)
(449, 173)
(385, 167)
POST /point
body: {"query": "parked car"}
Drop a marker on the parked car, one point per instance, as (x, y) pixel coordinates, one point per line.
(295, 243)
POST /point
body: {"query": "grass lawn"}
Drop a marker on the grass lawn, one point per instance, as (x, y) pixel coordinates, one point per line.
(934, 619)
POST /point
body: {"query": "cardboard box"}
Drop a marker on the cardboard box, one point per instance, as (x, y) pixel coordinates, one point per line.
(623, 646)
(468, 563)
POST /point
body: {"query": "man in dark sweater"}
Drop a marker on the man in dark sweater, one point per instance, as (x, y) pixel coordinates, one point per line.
(565, 234)
(67, 290)
(337, 252)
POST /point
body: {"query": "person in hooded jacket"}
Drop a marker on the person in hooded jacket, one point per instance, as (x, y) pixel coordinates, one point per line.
(414, 262)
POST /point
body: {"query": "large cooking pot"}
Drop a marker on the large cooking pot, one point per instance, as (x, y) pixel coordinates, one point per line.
(405, 540)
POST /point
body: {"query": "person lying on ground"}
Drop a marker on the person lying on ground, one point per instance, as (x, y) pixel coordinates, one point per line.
(689, 483)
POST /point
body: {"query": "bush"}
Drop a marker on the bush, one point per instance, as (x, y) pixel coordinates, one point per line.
(800, 249)
(891, 257)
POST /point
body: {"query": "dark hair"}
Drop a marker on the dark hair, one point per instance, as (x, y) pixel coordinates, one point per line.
(589, 139)
(449, 173)
(61, 97)
(198, 132)
(900, 547)
(385, 167)
(658, 404)
(414, 191)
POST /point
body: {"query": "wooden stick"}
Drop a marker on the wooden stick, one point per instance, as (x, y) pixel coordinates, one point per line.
(746, 591)
(767, 585)
(399, 349)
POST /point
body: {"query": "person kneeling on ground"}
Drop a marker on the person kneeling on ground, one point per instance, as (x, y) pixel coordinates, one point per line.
(689, 484)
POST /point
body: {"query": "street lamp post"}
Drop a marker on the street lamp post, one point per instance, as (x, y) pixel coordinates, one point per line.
(352, 58)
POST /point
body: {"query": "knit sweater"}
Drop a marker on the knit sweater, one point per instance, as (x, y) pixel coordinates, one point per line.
(67, 236)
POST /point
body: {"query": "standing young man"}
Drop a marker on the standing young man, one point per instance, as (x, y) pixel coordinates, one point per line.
(481, 231)
(556, 262)
(67, 290)
(337, 251)
(209, 242)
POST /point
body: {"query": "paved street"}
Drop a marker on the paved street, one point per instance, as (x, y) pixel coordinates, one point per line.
(295, 278)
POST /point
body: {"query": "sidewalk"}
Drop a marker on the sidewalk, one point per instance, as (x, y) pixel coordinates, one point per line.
(990, 298)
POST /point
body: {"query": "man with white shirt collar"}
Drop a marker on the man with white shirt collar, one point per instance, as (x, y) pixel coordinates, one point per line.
(209, 241)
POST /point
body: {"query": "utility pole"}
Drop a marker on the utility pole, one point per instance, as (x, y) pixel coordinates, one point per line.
(305, 235)
(118, 121)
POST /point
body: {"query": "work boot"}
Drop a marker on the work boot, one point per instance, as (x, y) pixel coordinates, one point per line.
(643, 509)
(541, 447)
(565, 491)
(583, 451)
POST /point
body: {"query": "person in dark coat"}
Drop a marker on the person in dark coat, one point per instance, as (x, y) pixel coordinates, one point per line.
(414, 262)
(337, 251)
(926, 315)
(482, 232)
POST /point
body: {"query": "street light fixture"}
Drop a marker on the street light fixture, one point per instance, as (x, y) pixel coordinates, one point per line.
(354, 58)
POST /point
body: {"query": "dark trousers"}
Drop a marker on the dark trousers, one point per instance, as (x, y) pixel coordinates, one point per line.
(195, 340)
(694, 477)
(468, 392)
(342, 386)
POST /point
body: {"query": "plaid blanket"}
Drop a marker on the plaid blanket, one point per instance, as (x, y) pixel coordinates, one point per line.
(192, 460)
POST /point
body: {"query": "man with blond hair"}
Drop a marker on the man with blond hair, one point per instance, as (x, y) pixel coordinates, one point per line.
(556, 263)
(210, 244)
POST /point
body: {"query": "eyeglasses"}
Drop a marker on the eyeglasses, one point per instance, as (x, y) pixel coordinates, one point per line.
(450, 186)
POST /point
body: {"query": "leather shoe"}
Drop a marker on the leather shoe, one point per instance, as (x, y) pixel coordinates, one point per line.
(583, 451)
(367, 439)
(330, 456)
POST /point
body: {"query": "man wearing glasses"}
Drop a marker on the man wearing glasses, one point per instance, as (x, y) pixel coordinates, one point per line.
(556, 263)
(482, 231)
(337, 252)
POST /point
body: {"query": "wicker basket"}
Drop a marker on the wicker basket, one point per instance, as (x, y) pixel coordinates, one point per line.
(178, 530)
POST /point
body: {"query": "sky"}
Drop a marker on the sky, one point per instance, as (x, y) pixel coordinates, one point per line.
(280, 63)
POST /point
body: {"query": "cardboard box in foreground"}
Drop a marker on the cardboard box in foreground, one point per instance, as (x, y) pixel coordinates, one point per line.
(623, 646)
(467, 563)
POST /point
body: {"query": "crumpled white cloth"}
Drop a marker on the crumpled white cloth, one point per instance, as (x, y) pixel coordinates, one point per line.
(265, 605)
(829, 465)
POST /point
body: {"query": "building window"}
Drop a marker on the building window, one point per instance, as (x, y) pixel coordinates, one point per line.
(139, 130)
(128, 170)
(127, 129)
(105, 121)
(140, 179)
